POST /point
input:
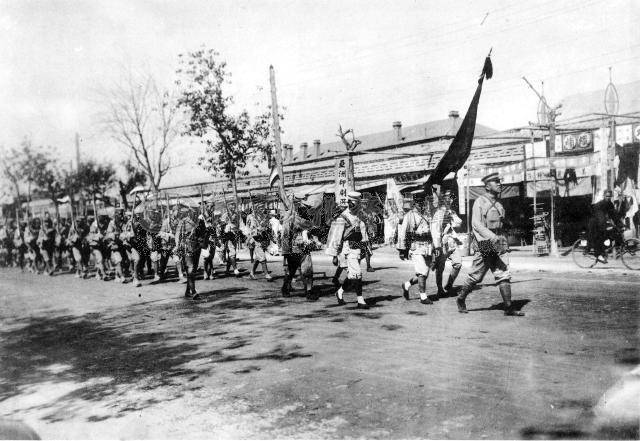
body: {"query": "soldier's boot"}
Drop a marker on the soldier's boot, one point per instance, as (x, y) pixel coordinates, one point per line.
(357, 287)
(448, 288)
(286, 286)
(309, 290)
(254, 267)
(460, 301)
(265, 270)
(505, 292)
(422, 287)
(441, 290)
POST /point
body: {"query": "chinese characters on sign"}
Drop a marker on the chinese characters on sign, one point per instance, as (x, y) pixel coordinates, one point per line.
(341, 181)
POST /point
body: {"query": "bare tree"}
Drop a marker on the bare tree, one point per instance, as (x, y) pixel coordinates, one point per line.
(146, 121)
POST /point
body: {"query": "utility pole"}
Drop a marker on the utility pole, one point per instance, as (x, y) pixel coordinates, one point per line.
(551, 126)
(276, 135)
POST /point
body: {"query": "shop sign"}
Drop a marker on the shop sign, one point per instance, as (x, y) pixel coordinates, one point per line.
(636, 133)
(341, 181)
(577, 142)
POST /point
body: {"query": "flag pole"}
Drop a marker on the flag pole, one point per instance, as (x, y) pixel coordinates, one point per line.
(276, 135)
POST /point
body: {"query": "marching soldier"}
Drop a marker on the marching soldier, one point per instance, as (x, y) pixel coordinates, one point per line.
(96, 242)
(258, 239)
(421, 251)
(351, 248)
(487, 224)
(230, 233)
(296, 249)
(190, 238)
(135, 243)
(47, 241)
(446, 241)
(113, 242)
(77, 240)
(19, 243)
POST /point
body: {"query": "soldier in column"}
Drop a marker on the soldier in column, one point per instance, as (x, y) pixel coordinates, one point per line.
(166, 244)
(351, 248)
(77, 240)
(47, 241)
(96, 242)
(258, 239)
(421, 252)
(297, 245)
(212, 244)
(135, 243)
(31, 236)
(487, 221)
(231, 220)
(445, 240)
(113, 242)
(19, 243)
(191, 236)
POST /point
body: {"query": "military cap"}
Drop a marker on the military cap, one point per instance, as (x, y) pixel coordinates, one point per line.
(607, 193)
(491, 177)
(354, 195)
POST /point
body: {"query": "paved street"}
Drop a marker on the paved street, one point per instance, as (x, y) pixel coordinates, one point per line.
(89, 359)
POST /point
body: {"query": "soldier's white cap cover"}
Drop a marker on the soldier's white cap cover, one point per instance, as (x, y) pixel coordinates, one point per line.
(354, 195)
(491, 177)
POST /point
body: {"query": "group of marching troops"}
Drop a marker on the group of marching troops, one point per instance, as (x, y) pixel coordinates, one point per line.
(125, 245)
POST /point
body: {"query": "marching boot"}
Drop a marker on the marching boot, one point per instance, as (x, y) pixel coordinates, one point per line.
(254, 267)
(452, 277)
(357, 285)
(505, 292)
(265, 270)
(460, 301)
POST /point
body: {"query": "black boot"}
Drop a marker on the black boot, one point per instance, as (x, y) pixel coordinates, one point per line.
(505, 292)
(460, 301)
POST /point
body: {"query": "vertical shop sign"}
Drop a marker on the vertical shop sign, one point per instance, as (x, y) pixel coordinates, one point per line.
(341, 181)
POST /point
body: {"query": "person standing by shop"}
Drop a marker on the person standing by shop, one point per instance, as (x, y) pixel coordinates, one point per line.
(487, 220)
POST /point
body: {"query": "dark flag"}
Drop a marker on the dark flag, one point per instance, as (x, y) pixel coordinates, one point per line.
(458, 152)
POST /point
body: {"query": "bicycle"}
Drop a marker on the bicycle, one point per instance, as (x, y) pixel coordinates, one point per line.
(628, 251)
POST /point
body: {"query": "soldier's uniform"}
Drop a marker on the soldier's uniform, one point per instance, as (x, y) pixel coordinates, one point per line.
(351, 248)
(418, 228)
(77, 240)
(487, 221)
(258, 238)
(296, 250)
(445, 237)
(97, 231)
(135, 243)
(191, 237)
(230, 220)
(113, 242)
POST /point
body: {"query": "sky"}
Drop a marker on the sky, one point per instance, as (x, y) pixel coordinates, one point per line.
(361, 64)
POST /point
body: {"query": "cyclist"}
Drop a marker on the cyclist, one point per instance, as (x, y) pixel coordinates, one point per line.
(602, 213)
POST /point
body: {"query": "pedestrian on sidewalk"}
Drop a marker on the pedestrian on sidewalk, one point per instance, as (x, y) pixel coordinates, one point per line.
(487, 222)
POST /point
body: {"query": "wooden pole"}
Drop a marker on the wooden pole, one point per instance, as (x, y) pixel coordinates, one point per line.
(276, 135)
(468, 203)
